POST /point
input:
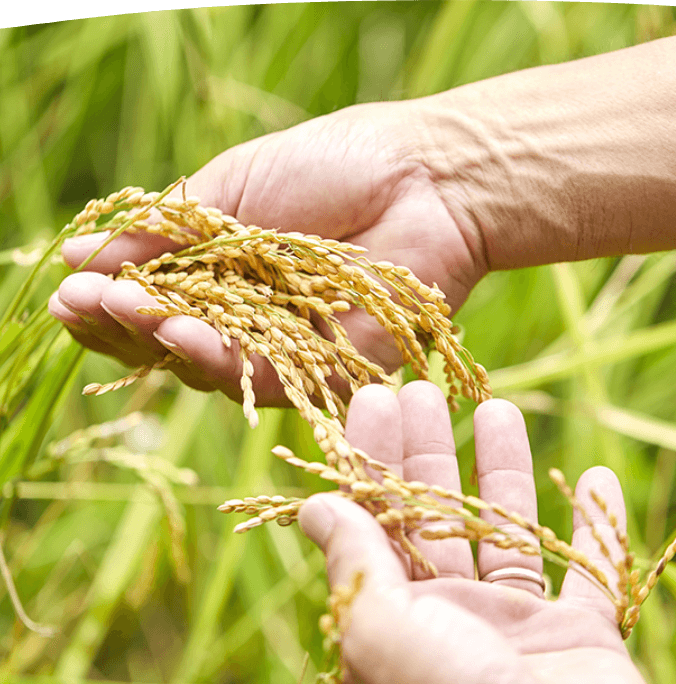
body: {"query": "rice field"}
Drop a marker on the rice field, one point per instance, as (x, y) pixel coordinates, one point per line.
(111, 534)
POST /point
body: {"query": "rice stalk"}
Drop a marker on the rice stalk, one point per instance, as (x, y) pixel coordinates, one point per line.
(266, 290)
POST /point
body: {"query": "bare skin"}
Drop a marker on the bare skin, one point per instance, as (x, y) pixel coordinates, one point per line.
(562, 162)
(455, 629)
(351, 175)
(557, 163)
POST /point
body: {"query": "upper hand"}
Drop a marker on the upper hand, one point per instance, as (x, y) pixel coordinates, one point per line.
(360, 174)
(408, 629)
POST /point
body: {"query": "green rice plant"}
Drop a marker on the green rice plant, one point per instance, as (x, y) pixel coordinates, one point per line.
(90, 106)
(248, 284)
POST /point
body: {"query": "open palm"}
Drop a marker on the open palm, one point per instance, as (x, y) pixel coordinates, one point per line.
(407, 628)
(359, 174)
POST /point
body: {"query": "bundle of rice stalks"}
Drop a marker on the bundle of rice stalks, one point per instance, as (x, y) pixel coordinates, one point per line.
(278, 295)
(273, 293)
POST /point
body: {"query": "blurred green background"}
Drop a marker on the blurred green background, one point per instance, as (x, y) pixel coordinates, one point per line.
(139, 572)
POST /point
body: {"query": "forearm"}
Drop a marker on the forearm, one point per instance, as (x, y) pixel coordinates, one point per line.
(561, 162)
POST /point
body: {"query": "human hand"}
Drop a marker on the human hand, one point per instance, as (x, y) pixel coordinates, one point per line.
(359, 174)
(406, 629)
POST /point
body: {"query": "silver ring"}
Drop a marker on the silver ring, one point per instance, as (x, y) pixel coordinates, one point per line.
(515, 573)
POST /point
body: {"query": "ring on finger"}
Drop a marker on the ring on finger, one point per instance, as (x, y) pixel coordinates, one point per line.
(515, 573)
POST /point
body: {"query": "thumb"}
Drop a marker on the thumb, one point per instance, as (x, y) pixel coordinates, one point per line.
(352, 540)
(398, 632)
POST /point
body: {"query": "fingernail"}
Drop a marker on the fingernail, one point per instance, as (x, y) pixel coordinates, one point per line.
(70, 325)
(317, 521)
(172, 347)
(124, 323)
(60, 312)
(82, 315)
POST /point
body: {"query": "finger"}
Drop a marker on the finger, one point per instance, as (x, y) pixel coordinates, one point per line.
(112, 326)
(391, 634)
(96, 329)
(108, 310)
(81, 294)
(505, 472)
(120, 301)
(137, 247)
(352, 540)
(207, 184)
(202, 347)
(374, 425)
(353, 543)
(429, 457)
(577, 588)
(80, 332)
(64, 315)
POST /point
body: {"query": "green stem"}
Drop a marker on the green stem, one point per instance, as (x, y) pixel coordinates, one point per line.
(128, 224)
(31, 281)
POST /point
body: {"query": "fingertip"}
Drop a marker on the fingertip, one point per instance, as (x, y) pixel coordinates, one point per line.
(76, 249)
(420, 388)
(196, 341)
(324, 513)
(137, 248)
(54, 305)
(497, 411)
(373, 403)
(351, 538)
(589, 530)
(373, 392)
(120, 301)
(62, 314)
(82, 292)
(597, 476)
(125, 295)
(501, 438)
(374, 425)
(317, 519)
(429, 448)
(606, 486)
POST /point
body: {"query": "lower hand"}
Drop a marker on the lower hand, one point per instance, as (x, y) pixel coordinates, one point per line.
(408, 629)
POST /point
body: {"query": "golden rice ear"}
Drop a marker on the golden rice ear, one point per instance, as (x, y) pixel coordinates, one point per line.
(96, 389)
(265, 289)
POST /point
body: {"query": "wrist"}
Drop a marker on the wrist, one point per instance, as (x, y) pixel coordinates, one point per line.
(562, 162)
